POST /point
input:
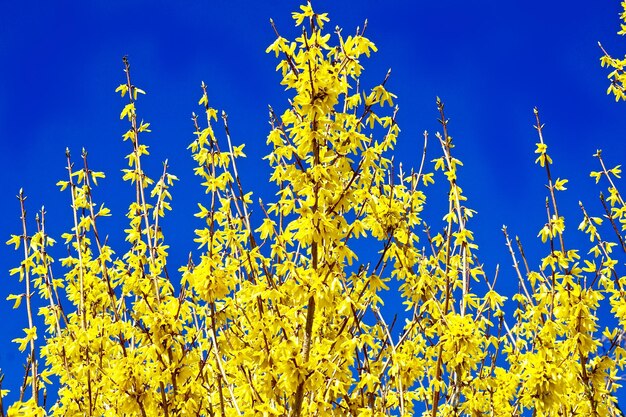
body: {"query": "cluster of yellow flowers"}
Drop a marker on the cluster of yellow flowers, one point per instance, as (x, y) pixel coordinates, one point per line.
(284, 318)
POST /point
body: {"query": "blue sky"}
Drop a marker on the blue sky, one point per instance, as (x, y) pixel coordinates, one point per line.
(491, 63)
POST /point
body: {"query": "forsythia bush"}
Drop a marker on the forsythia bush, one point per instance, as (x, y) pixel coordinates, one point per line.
(279, 316)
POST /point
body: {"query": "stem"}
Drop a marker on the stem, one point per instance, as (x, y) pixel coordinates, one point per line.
(140, 183)
(310, 315)
(445, 141)
(29, 311)
(81, 306)
(539, 128)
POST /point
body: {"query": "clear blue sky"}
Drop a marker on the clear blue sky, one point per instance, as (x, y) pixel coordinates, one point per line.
(490, 61)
